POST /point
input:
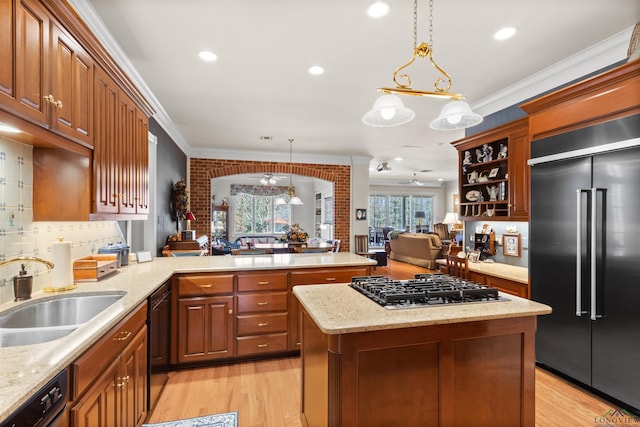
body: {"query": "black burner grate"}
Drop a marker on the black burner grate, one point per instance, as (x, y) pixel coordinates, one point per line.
(423, 290)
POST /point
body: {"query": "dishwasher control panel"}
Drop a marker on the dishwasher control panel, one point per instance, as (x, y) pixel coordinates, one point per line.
(43, 406)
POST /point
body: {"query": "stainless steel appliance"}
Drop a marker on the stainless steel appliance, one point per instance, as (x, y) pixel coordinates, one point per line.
(47, 407)
(584, 256)
(159, 322)
(423, 290)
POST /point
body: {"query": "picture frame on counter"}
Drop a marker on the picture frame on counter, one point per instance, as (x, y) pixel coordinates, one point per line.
(144, 256)
(511, 244)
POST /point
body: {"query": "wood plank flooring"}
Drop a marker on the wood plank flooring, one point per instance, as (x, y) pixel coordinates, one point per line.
(267, 393)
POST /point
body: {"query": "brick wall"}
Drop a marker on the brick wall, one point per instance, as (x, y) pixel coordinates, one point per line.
(202, 170)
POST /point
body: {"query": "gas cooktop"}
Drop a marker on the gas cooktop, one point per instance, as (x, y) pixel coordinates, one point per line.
(423, 290)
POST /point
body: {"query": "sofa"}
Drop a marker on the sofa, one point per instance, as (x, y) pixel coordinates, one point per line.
(245, 241)
(418, 249)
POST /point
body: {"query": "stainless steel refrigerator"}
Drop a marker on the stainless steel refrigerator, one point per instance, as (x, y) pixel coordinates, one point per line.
(584, 256)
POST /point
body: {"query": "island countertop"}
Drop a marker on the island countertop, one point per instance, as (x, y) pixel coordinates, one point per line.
(339, 309)
(25, 369)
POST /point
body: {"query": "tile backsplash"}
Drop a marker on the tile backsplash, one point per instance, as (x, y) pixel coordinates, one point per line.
(21, 236)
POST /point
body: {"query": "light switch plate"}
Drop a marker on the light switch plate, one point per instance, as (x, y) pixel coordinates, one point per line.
(143, 256)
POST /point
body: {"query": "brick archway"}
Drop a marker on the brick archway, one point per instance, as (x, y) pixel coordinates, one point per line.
(202, 170)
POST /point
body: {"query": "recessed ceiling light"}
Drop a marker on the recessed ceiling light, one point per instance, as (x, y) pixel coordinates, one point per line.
(207, 55)
(440, 179)
(505, 33)
(8, 129)
(378, 9)
(398, 159)
(316, 70)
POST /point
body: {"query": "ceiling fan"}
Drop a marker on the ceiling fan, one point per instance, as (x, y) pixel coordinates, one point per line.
(412, 181)
(270, 179)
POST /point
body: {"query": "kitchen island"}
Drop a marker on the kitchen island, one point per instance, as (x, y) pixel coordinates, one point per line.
(27, 368)
(448, 365)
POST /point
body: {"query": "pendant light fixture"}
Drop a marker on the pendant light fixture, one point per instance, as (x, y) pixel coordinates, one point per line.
(455, 115)
(291, 191)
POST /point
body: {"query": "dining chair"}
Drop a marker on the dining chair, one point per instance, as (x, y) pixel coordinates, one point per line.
(362, 244)
(458, 267)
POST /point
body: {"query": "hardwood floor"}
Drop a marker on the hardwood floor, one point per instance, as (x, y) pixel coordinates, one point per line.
(267, 393)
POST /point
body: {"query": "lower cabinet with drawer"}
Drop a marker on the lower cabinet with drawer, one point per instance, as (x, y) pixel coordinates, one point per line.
(204, 305)
(262, 313)
(109, 381)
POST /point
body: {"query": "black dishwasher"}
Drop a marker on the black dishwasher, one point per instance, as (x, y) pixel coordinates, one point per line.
(159, 322)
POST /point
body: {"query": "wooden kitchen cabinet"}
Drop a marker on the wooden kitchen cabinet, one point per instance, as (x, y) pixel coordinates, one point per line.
(204, 305)
(120, 155)
(496, 189)
(109, 382)
(262, 312)
(313, 277)
(48, 78)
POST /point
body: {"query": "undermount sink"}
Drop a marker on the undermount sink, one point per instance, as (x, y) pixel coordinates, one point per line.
(45, 320)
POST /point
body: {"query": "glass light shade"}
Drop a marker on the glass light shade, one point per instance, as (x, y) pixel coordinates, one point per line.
(281, 201)
(295, 200)
(378, 9)
(456, 115)
(388, 110)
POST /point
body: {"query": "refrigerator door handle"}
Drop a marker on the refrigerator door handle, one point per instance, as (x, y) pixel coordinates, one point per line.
(594, 194)
(579, 253)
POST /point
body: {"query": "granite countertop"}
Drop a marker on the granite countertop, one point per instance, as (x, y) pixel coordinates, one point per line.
(496, 269)
(25, 369)
(339, 309)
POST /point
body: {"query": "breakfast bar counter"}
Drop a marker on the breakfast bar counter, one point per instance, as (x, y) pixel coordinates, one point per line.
(449, 365)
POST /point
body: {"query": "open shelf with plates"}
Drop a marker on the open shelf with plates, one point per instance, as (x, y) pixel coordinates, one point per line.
(493, 174)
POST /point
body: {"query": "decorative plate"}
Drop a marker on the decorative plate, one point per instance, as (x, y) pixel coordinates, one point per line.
(472, 195)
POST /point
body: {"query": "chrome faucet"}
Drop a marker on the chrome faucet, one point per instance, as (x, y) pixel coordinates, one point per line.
(23, 283)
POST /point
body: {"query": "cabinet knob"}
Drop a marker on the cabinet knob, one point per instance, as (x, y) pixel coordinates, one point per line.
(51, 100)
(230, 311)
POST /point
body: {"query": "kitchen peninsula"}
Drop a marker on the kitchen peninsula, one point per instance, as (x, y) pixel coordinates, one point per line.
(453, 365)
(26, 369)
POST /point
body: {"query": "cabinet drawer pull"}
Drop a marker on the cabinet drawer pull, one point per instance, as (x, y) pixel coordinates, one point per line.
(330, 279)
(263, 345)
(263, 282)
(206, 286)
(263, 324)
(263, 303)
(123, 381)
(230, 311)
(122, 336)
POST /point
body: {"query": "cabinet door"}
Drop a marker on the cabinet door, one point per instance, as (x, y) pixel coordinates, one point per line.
(24, 92)
(141, 163)
(134, 376)
(105, 147)
(205, 328)
(7, 65)
(71, 86)
(519, 177)
(99, 408)
(125, 153)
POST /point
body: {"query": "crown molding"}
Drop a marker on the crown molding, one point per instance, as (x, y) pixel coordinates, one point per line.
(592, 59)
(97, 26)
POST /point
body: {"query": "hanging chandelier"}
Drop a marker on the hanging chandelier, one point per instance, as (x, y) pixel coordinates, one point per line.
(291, 197)
(389, 110)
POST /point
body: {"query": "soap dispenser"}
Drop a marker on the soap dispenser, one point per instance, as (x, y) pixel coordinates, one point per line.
(22, 285)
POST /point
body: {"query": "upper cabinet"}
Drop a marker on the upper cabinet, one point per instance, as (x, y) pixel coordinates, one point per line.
(47, 78)
(59, 85)
(493, 173)
(120, 154)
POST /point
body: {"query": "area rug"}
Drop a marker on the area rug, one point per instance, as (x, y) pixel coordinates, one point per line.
(229, 419)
